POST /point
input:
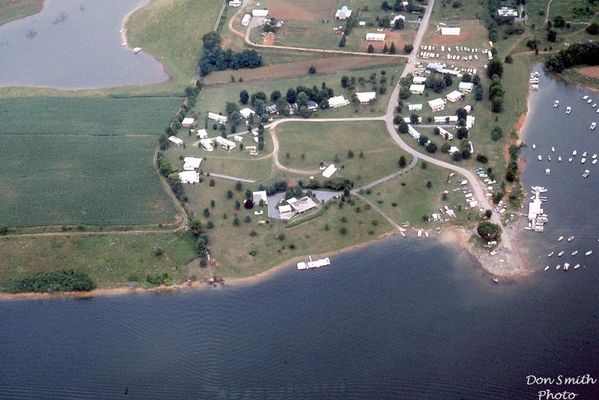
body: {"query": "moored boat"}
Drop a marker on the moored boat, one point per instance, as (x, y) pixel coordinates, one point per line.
(555, 103)
(588, 253)
(568, 110)
(575, 252)
(561, 253)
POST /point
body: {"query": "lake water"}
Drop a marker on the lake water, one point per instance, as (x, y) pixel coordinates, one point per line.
(74, 44)
(401, 319)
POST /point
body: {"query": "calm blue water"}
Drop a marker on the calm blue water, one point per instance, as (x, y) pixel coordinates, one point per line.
(402, 319)
(74, 44)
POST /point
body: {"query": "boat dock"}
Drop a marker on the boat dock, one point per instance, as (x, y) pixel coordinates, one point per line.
(311, 264)
(536, 216)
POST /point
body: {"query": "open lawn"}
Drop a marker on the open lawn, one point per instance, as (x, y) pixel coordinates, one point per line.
(110, 261)
(172, 31)
(15, 9)
(310, 144)
(274, 243)
(86, 115)
(70, 180)
(214, 99)
(407, 197)
(472, 34)
(445, 10)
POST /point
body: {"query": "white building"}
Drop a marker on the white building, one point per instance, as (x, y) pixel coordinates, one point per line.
(234, 3)
(465, 87)
(446, 135)
(437, 104)
(445, 119)
(260, 196)
(343, 13)
(188, 122)
(408, 120)
(395, 19)
(454, 96)
(416, 89)
(259, 13)
(175, 140)
(329, 171)
(238, 138)
(470, 121)
(446, 31)
(225, 143)
(415, 107)
(419, 80)
(468, 109)
(413, 132)
(207, 144)
(375, 37)
(221, 119)
(301, 205)
(189, 177)
(338, 101)
(245, 21)
(366, 97)
(191, 163)
(246, 112)
(507, 12)
(201, 133)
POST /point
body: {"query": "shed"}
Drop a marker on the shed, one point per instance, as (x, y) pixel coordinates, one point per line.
(246, 112)
(329, 171)
(245, 21)
(202, 133)
(465, 87)
(470, 121)
(366, 97)
(343, 13)
(234, 3)
(260, 196)
(419, 80)
(175, 140)
(189, 177)
(454, 96)
(338, 101)
(191, 163)
(446, 31)
(375, 37)
(221, 119)
(187, 122)
(415, 107)
(437, 104)
(416, 89)
(259, 13)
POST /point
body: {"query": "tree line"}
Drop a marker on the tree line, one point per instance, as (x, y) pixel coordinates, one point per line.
(67, 280)
(576, 54)
(214, 58)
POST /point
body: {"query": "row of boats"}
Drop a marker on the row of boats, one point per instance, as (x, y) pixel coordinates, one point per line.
(569, 110)
(575, 252)
(583, 159)
(565, 267)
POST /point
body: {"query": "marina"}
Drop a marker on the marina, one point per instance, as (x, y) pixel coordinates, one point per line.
(536, 216)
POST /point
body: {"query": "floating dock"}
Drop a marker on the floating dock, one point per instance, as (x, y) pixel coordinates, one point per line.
(536, 216)
(322, 262)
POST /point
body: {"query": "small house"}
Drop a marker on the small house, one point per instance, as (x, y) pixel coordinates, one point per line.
(375, 37)
(191, 163)
(437, 104)
(445, 119)
(301, 205)
(225, 143)
(260, 196)
(366, 97)
(311, 105)
(470, 121)
(447, 31)
(188, 122)
(416, 89)
(272, 109)
(175, 140)
(202, 133)
(446, 135)
(465, 87)
(419, 80)
(235, 3)
(246, 112)
(259, 13)
(338, 101)
(219, 119)
(329, 171)
(413, 132)
(415, 107)
(507, 12)
(206, 144)
(343, 13)
(245, 21)
(189, 177)
(454, 96)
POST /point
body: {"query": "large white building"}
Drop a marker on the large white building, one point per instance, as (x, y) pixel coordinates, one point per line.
(507, 12)
(246, 112)
(446, 135)
(454, 96)
(413, 132)
(338, 101)
(375, 37)
(419, 80)
(416, 89)
(207, 144)
(189, 177)
(221, 119)
(245, 21)
(366, 97)
(437, 104)
(329, 171)
(235, 3)
(465, 87)
(445, 119)
(202, 133)
(191, 163)
(414, 107)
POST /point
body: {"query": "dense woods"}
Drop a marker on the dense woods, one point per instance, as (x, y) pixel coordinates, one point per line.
(214, 58)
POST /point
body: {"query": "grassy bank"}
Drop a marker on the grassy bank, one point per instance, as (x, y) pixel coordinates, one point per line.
(11, 10)
(110, 261)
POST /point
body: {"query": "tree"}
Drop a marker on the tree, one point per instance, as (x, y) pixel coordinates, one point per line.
(496, 134)
(350, 154)
(402, 162)
(291, 96)
(481, 158)
(551, 36)
(508, 59)
(275, 95)
(407, 48)
(461, 113)
(593, 28)
(497, 104)
(414, 118)
(489, 231)
(344, 82)
(478, 93)
(244, 97)
(342, 41)
(311, 70)
(495, 67)
(404, 92)
(385, 49)
(385, 6)
(403, 127)
(466, 77)
(370, 48)
(431, 147)
(559, 21)
(448, 80)
(462, 132)
(392, 49)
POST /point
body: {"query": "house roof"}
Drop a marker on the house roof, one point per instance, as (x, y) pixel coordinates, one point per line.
(189, 177)
(365, 97)
(260, 196)
(438, 102)
(191, 163)
(343, 12)
(329, 171)
(301, 205)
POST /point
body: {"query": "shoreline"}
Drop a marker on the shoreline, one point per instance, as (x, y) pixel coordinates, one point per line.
(447, 235)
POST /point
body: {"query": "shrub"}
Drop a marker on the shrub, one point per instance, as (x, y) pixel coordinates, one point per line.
(55, 281)
(489, 231)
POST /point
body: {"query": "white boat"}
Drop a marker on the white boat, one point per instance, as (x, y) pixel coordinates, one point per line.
(561, 253)
(534, 146)
(585, 97)
(574, 152)
(588, 253)
(558, 266)
(540, 157)
(546, 268)
(136, 50)
(547, 171)
(568, 110)
(594, 161)
(556, 104)
(570, 238)
(553, 149)
(575, 252)
(589, 101)
(594, 156)
(559, 158)
(585, 154)
(577, 266)
(570, 159)
(593, 126)
(566, 266)
(586, 173)
(550, 254)
(548, 158)
(559, 239)
(594, 105)
(583, 160)
(597, 111)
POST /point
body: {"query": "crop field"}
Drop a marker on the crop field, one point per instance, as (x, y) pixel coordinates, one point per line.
(172, 31)
(111, 260)
(11, 9)
(95, 180)
(307, 145)
(86, 115)
(250, 247)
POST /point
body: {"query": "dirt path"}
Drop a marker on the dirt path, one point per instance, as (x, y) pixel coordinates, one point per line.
(547, 12)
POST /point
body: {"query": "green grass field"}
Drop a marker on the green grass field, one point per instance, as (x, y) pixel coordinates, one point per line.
(113, 260)
(11, 9)
(172, 31)
(322, 142)
(97, 180)
(231, 245)
(86, 115)
(444, 10)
